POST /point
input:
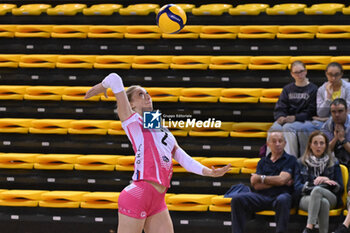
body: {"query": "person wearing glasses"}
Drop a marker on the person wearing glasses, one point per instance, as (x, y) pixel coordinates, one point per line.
(295, 108)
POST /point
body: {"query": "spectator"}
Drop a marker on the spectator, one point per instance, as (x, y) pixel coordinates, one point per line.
(319, 180)
(272, 185)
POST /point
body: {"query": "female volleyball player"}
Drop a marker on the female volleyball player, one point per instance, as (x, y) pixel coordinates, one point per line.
(142, 204)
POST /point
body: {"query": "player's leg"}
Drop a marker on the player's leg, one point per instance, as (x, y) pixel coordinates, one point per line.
(159, 223)
(128, 224)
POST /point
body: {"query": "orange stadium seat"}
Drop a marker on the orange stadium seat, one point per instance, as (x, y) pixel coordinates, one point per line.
(96, 162)
(142, 32)
(269, 62)
(139, 9)
(38, 61)
(286, 9)
(211, 9)
(49, 126)
(229, 62)
(219, 32)
(313, 62)
(248, 9)
(151, 62)
(44, 93)
(200, 94)
(7, 30)
(190, 62)
(102, 9)
(31, 9)
(69, 31)
(240, 95)
(66, 9)
(106, 31)
(296, 32)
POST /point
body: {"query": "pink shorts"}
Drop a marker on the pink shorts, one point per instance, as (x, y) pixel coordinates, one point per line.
(141, 200)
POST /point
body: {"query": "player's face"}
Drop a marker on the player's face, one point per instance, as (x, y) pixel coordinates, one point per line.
(141, 100)
(334, 74)
(318, 145)
(299, 72)
(276, 143)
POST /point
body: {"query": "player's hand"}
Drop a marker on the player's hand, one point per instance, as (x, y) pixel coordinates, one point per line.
(95, 90)
(217, 172)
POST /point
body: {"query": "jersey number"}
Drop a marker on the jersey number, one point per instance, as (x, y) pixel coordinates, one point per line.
(165, 137)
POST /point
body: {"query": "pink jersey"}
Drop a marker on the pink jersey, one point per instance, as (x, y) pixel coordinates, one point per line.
(153, 151)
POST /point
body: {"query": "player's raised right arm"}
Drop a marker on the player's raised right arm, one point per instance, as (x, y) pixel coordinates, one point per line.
(114, 82)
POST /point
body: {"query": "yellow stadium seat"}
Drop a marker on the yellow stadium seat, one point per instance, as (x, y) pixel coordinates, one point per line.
(249, 9)
(273, 213)
(49, 126)
(212, 130)
(250, 129)
(220, 204)
(9, 60)
(343, 60)
(270, 95)
(211, 9)
(161, 94)
(286, 9)
(56, 161)
(38, 61)
(110, 95)
(27, 198)
(200, 94)
(14, 125)
(61, 199)
(177, 128)
(229, 62)
(247, 170)
(190, 62)
(77, 94)
(324, 9)
(333, 32)
(143, 32)
(269, 62)
(236, 163)
(7, 30)
(125, 163)
(43, 31)
(139, 9)
(12, 92)
(313, 62)
(17, 160)
(178, 168)
(66, 9)
(75, 61)
(151, 62)
(219, 32)
(44, 93)
(69, 31)
(100, 200)
(251, 163)
(240, 95)
(186, 7)
(31, 9)
(106, 31)
(115, 128)
(345, 10)
(189, 202)
(102, 9)
(96, 162)
(257, 32)
(6, 8)
(296, 32)
(89, 127)
(188, 32)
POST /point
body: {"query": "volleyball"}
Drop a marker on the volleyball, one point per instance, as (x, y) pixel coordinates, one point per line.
(171, 19)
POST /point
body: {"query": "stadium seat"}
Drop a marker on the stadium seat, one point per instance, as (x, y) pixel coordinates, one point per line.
(6, 8)
(189, 202)
(44, 93)
(66, 9)
(250, 129)
(77, 94)
(249, 165)
(269, 62)
(142, 32)
(286, 9)
(106, 31)
(177, 129)
(273, 213)
(100, 200)
(69, 31)
(333, 32)
(190, 62)
(56, 161)
(343, 60)
(178, 168)
(7, 30)
(125, 163)
(186, 7)
(17, 160)
(324, 9)
(61, 199)
(212, 130)
(257, 32)
(229, 62)
(160, 94)
(115, 128)
(248, 9)
(31, 9)
(270, 95)
(188, 32)
(14, 125)
(151, 62)
(139, 9)
(113, 62)
(296, 32)
(313, 62)
(89, 127)
(43, 31)
(27, 198)
(96, 162)
(345, 10)
(110, 95)
(211, 9)
(219, 32)
(102, 9)
(240, 95)
(75, 61)
(49, 126)
(200, 94)
(38, 61)
(9, 60)
(8, 92)
(236, 163)
(220, 204)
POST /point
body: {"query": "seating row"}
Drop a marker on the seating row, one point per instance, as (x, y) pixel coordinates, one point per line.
(109, 162)
(146, 9)
(188, 32)
(165, 62)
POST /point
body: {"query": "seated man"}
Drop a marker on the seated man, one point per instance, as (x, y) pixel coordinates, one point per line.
(272, 184)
